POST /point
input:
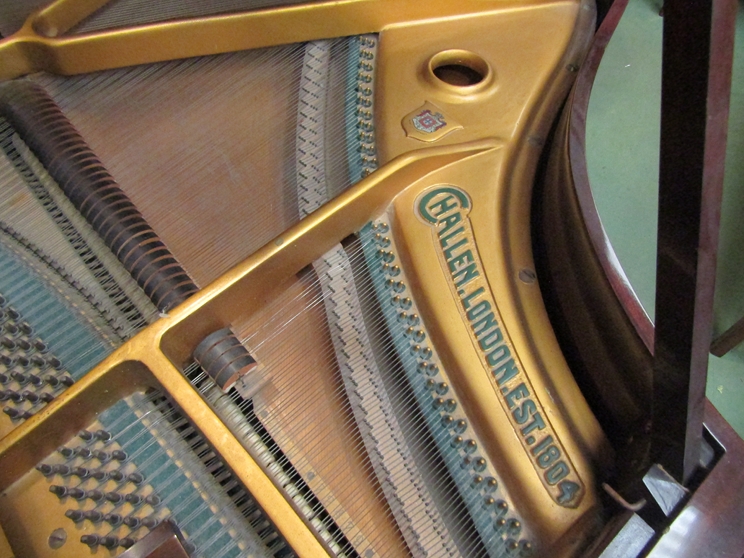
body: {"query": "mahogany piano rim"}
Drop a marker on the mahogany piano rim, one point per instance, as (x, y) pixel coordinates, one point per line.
(711, 524)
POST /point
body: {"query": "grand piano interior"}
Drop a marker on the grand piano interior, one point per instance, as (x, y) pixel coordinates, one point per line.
(285, 278)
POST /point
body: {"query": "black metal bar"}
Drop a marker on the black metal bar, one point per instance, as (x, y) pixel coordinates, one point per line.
(696, 85)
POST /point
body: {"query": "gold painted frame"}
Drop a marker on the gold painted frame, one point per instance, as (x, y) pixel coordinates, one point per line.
(508, 141)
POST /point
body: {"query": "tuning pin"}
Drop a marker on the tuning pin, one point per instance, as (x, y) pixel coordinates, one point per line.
(113, 519)
(150, 522)
(57, 490)
(153, 499)
(514, 526)
(93, 516)
(76, 515)
(491, 484)
(46, 470)
(52, 381)
(119, 455)
(67, 453)
(20, 377)
(95, 495)
(90, 540)
(109, 541)
(85, 453)
(114, 497)
(100, 476)
(63, 470)
(15, 396)
(102, 456)
(81, 472)
(84, 435)
(77, 493)
(116, 475)
(136, 478)
(15, 414)
(102, 434)
(133, 499)
(38, 361)
(54, 362)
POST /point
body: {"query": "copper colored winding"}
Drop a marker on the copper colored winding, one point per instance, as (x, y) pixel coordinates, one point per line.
(224, 358)
(67, 158)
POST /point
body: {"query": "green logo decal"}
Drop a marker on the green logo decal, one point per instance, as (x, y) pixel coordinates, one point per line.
(445, 208)
(441, 200)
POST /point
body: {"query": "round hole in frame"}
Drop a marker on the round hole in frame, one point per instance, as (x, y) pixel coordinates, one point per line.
(460, 70)
(458, 75)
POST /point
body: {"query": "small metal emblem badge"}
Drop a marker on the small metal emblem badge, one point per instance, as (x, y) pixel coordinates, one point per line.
(428, 123)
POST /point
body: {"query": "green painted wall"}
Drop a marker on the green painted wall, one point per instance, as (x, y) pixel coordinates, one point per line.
(623, 159)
